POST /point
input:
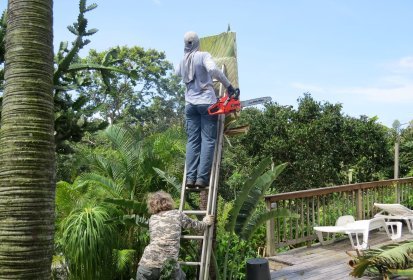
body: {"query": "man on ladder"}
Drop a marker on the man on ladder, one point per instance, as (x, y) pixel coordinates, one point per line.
(203, 151)
(197, 69)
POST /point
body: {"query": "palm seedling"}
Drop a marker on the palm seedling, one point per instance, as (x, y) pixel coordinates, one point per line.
(389, 260)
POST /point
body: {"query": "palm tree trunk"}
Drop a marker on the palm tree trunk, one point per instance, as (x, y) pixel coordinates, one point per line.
(27, 158)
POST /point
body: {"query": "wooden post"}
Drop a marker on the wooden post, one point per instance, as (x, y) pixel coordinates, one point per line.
(398, 193)
(359, 204)
(270, 242)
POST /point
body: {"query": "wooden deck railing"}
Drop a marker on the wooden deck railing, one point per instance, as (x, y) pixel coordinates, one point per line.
(317, 207)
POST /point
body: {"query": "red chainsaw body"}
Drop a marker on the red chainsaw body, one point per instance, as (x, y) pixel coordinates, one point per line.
(225, 105)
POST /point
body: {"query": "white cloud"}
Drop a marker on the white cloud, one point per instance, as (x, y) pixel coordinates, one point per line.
(157, 2)
(308, 87)
(385, 94)
(400, 66)
(406, 62)
(395, 89)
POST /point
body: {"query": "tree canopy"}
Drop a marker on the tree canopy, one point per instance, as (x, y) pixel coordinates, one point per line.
(321, 144)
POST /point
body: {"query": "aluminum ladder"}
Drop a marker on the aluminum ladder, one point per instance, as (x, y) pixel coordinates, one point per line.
(207, 237)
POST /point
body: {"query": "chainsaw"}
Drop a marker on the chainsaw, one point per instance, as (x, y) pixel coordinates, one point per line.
(230, 104)
(226, 104)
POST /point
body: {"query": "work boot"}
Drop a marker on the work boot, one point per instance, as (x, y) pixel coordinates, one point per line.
(190, 183)
(201, 184)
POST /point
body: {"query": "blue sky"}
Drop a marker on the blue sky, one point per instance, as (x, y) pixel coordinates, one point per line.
(358, 53)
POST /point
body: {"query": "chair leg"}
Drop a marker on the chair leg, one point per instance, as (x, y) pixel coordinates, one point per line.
(350, 236)
(320, 237)
(409, 223)
(366, 239)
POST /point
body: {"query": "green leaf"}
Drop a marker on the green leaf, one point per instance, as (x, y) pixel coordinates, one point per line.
(87, 241)
(90, 32)
(108, 184)
(90, 7)
(255, 195)
(258, 219)
(136, 206)
(390, 257)
(124, 259)
(108, 56)
(130, 220)
(245, 190)
(80, 101)
(169, 179)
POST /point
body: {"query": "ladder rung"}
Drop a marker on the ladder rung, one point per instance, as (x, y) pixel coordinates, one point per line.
(197, 237)
(195, 212)
(190, 263)
(196, 189)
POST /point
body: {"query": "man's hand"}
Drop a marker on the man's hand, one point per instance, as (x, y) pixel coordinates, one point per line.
(232, 92)
(209, 220)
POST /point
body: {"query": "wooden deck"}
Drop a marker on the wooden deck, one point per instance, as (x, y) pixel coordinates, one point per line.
(323, 262)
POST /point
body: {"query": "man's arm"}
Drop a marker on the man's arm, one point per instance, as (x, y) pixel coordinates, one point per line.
(178, 70)
(213, 70)
(195, 224)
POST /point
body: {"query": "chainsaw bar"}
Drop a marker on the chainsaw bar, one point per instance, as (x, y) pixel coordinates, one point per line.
(255, 101)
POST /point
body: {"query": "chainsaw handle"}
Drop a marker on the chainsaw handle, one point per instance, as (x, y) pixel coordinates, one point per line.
(237, 93)
(234, 93)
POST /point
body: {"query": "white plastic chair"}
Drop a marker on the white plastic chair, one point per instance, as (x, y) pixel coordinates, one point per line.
(396, 212)
(347, 225)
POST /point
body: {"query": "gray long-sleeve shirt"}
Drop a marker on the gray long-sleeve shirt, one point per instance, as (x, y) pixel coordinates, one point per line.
(200, 90)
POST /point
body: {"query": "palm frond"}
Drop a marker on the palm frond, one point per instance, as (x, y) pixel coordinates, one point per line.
(124, 140)
(75, 67)
(70, 197)
(66, 198)
(243, 194)
(237, 130)
(397, 256)
(110, 167)
(258, 219)
(255, 195)
(169, 179)
(130, 220)
(402, 272)
(136, 206)
(131, 149)
(124, 259)
(114, 188)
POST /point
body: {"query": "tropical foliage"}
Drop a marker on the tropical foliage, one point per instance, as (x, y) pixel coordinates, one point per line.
(387, 261)
(110, 197)
(406, 150)
(320, 143)
(243, 219)
(105, 175)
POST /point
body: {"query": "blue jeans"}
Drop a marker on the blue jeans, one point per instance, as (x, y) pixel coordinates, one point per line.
(201, 130)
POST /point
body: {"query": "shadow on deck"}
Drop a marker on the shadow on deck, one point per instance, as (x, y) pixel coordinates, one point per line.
(323, 262)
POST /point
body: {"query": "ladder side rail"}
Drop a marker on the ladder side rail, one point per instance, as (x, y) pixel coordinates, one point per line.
(212, 189)
(212, 203)
(212, 194)
(182, 201)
